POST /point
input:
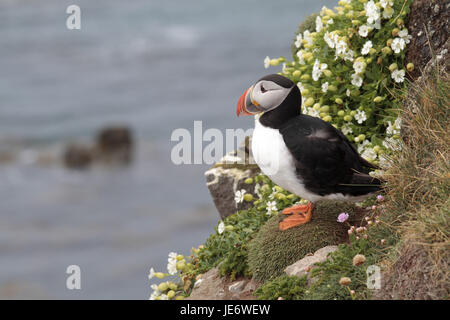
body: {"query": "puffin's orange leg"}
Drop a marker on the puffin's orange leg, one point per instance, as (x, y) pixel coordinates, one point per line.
(298, 208)
(297, 219)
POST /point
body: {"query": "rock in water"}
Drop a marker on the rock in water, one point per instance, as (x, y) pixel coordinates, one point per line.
(78, 156)
(228, 176)
(115, 145)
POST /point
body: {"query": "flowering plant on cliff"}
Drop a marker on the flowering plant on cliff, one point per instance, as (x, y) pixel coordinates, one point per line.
(347, 65)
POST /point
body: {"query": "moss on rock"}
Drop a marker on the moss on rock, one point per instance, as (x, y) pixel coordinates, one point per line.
(272, 250)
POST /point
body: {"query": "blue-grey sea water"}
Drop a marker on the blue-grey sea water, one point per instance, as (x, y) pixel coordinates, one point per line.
(152, 65)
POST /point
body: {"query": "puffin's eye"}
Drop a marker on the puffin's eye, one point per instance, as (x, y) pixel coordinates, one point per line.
(263, 89)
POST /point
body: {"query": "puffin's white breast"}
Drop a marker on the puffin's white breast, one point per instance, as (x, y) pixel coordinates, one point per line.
(276, 161)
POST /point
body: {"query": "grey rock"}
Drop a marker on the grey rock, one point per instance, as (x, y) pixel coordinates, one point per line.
(78, 156)
(237, 286)
(210, 286)
(115, 145)
(228, 176)
(429, 23)
(303, 266)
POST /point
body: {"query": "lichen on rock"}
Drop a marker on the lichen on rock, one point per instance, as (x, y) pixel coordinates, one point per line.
(228, 176)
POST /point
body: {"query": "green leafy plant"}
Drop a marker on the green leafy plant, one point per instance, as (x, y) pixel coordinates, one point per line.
(284, 287)
(347, 65)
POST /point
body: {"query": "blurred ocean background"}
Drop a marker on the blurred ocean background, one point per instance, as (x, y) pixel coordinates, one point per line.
(151, 65)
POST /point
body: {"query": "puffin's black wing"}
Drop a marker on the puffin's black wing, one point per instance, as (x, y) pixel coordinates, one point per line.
(325, 160)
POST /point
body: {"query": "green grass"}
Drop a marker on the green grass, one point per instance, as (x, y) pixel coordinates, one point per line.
(272, 250)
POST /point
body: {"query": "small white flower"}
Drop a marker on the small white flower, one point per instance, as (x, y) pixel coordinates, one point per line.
(318, 68)
(395, 127)
(357, 80)
(258, 190)
(403, 34)
(348, 92)
(155, 293)
(319, 24)
(267, 62)
(151, 274)
(341, 47)
(312, 112)
(301, 59)
(325, 87)
(398, 75)
(173, 256)
(369, 154)
(363, 31)
(164, 297)
(366, 48)
(348, 55)
(372, 12)
(385, 3)
(375, 25)
(398, 44)
(300, 86)
(359, 66)
(271, 207)
(330, 39)
(298, 41)
(153, 296)
(172, 267)
(221, 227)
(239, 196)
(307, 36)
(331, 21)
(346, 129)
(274, 192)
(362, 146)
(360, 116)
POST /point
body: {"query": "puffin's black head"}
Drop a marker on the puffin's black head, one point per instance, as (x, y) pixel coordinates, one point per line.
(267, 94)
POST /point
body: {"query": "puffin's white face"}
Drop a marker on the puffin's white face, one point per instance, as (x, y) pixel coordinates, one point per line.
(264, 96)
(268, 94)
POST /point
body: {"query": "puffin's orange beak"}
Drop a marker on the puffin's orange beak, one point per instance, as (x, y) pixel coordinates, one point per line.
(245, 103)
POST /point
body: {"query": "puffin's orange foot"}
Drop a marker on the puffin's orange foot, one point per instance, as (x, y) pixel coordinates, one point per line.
(299, 208)
(297, 218)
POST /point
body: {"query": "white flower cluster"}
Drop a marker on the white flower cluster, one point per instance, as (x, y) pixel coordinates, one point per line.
(271, 208)
(394, 128)
(373, 14)
(172, 263)
(318, 68)
(239, 196)
(366, 48)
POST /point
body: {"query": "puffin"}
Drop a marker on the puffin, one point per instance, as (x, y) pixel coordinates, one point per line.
(302, 154)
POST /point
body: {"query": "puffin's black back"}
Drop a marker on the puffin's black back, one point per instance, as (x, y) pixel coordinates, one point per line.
(325, 160)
